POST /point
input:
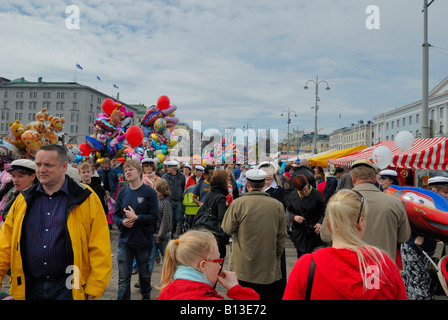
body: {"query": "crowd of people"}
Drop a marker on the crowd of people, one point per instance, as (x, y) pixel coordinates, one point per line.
(353, 240)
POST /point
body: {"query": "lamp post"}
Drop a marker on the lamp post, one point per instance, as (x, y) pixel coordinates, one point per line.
(289, 121)
(425, 73)
(316, 107)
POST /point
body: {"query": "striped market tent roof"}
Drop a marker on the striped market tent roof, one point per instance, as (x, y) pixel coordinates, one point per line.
(429, 154)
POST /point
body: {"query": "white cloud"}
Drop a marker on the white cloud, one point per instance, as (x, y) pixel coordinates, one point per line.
(226, 62)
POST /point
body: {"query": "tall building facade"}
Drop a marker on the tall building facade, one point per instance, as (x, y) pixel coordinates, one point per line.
(409, 117)
(355, 135)
(77, 104)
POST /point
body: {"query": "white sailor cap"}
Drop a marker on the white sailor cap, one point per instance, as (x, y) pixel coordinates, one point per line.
(187, 165)
(148, 160)
(255, 175)
(439, 180)
(388, 173)
(265, 164)
(200, 168)
(171, 163)
(23, 164)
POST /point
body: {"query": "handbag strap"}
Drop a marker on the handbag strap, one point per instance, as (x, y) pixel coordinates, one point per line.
(310, 279)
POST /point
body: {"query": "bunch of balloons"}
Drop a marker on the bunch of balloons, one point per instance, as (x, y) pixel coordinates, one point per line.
(28, 139)
(111, 128)
(158, 124)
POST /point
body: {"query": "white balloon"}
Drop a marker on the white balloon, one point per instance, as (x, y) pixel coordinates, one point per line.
(382, 157)
(404, 140)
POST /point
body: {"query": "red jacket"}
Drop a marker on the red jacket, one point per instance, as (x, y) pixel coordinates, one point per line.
(337, 277)
(195, 290)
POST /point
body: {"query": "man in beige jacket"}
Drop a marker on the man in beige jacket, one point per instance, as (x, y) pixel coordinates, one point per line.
(257, 224)
(387, 224)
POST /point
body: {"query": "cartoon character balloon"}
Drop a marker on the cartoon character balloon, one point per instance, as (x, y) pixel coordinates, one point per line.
(427, 210)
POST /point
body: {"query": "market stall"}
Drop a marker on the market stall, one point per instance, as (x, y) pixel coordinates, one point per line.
(322, 159)
(431, 154)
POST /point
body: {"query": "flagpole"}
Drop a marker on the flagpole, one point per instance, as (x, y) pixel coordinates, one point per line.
(75, 70)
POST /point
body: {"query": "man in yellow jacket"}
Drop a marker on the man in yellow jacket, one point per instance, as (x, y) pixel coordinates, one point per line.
(55, 239)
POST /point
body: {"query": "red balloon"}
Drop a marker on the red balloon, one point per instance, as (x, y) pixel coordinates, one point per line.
(85, 149)
(108, 106)
(134, 136)
(163, 102)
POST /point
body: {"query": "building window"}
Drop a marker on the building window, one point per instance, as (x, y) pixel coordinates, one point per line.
(46, 104)
(417, 118)
(6, 94)
(47, 95)
(398, 123)
(404, 122)
(74, 128)
(74, 117)
(19, 94)
(59, 105)
(410, 119)
(33, 105)
(19, 105)
(75, 95)
(60, 95)
(75, 105)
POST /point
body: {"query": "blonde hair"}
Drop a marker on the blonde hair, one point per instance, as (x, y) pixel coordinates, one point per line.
(85, 166)
(341, 215)
(185, 251)
(162, 186)
(134, 164)
(271, 171)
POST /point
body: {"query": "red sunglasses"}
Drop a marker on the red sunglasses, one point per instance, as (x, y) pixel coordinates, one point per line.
(215, 260)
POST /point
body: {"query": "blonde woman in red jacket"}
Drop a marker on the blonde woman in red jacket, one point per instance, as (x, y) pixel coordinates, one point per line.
(192, 267)
(350, 269)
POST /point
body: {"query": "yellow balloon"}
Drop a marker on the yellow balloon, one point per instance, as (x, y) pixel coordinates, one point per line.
(161, 157)
(171, 143)
(155, 137)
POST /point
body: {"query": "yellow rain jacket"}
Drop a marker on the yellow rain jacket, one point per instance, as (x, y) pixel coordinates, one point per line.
(87, 239)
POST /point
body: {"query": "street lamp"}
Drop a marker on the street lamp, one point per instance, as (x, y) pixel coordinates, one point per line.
(316, 107)
(289, 121)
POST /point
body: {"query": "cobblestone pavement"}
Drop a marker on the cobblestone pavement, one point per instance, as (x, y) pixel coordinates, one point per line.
(111, 291)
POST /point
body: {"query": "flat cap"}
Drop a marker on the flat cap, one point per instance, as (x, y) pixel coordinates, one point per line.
(255, 175)
(365, 163)
(200, 168)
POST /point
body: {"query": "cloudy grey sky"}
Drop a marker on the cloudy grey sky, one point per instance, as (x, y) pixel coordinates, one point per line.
(229, 62)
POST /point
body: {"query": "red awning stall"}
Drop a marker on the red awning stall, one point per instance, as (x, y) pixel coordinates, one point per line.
(431, 154)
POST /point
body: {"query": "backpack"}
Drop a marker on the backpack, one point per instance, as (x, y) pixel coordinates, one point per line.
(206, 218)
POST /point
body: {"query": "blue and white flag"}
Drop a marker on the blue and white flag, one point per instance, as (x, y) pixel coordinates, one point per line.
(79, 67)
(99, 78)
(115, 86)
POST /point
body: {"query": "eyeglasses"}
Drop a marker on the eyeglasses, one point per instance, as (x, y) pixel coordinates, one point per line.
(215, 260)
(360, 208)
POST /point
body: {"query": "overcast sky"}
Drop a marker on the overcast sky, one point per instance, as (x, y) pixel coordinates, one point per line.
(232, 62)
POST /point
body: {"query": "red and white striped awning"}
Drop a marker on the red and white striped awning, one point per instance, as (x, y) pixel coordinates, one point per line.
(429, 154)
